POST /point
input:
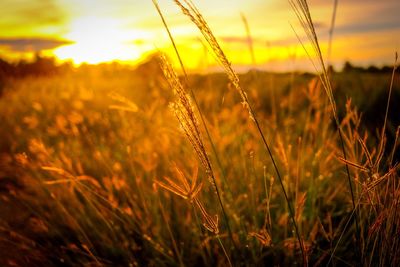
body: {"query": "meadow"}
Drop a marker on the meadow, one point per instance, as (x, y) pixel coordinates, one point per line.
(110, 165)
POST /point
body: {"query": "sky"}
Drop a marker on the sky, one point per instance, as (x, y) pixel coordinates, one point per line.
(366, 32)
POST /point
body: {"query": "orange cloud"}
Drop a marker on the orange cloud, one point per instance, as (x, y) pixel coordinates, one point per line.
(31, 18)
(31, 44)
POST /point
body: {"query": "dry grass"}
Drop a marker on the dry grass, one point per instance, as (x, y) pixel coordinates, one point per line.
(189, 9)
(93, 178)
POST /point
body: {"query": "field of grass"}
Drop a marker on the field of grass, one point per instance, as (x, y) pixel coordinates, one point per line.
(110, 166)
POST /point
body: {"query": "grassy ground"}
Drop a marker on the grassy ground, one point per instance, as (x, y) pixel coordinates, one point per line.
(86, 156)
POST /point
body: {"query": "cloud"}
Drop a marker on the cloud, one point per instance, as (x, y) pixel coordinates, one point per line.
(363, 28)
(27, 17)
(370, 16)
(31, 44)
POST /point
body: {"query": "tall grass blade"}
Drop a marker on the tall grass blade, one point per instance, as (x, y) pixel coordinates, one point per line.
(186, 80)
(381, 144)
(188, 120)
(190, 10)
(302, 11)
(249, 38)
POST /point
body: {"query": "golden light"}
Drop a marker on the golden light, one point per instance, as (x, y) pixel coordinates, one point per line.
(99, 40)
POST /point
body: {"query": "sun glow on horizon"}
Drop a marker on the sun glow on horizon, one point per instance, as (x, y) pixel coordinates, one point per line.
(98, 40)
(103, 31)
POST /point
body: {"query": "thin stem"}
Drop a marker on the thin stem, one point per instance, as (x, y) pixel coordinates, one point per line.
(175, 246)
(351, 190)
(201, 234)
(209, 167)
(221, 205)
(223, 249)
(194, 14)
(291, 211)
(249, 39)
(333, 19)
(381, 144)
(223, 175)
(302, 11)
(353, 213)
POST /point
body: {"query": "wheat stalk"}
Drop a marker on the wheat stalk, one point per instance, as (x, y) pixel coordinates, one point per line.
(302, 11)
(192, 94)
(190, 10)
(184, 111)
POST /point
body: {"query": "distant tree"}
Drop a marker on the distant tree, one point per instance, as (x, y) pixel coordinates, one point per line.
(386, 69)
(6, 70)
(331, 69)
(41, 66)
(373, 69)
(348, 67)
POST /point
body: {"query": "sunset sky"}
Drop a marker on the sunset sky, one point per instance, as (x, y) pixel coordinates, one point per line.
(366, 32)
